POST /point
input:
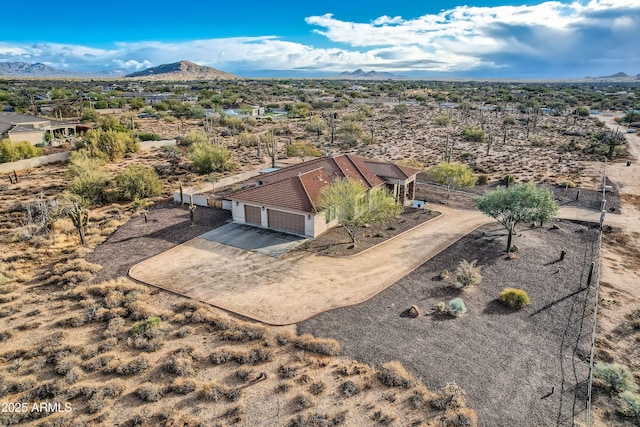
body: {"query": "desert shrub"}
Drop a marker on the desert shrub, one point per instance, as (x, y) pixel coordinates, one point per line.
(630, 405)
(244, 333)
(508, 180)
(393, 374)
(220, 357)
(114, 327)
(108, 145)
(568, 184)
(349, 388)
(150, 392)
(183, 385)
(442, 120)
(482, 179)
(536, 141)
(89, 179)
(509, 120)
(302, 402)
(138, 182)
(243, 374)
(180, 364)
(317, 388)
(616, 376)
(146, 328)
(211, 391)
(456, 307)
(514, 298)
(97, 362)
(285, 372)
(325, 346)
(467, 274)
(149, 136)
(11, 151)
(253, 357)
(473, 134)
(207, 158)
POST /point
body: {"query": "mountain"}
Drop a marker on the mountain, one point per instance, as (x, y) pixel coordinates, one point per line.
(615, 76)
(183, 70)
(371, 75)
(23, 69)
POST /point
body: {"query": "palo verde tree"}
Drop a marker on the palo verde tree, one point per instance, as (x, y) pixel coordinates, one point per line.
(453, 176)
(518, 203)
(348, 201)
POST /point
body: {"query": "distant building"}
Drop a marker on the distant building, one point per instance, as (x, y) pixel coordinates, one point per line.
(23, 127)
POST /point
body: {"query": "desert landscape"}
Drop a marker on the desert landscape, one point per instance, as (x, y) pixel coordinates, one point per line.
(76, 330)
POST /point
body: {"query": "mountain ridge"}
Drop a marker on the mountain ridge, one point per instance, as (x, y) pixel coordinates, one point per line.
(182, 70)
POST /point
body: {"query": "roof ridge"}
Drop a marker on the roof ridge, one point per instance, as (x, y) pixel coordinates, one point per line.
(359, 170)
(306, 193)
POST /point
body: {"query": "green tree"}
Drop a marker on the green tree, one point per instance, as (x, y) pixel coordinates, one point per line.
(316, 125)
(473, 134)
(518, 203)
(11, 151)
(303, 150)
(138, 182)
(348, 201)
(207, 158)
(453, 175)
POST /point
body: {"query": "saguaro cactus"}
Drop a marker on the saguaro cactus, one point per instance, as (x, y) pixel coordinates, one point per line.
(192, 210)
(79, 217)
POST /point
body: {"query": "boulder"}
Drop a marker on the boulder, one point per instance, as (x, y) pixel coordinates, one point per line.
(413, 311)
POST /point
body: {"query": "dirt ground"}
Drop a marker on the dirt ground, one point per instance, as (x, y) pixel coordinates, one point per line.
(508, 362)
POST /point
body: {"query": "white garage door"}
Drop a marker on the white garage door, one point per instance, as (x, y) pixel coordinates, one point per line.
(286, 221)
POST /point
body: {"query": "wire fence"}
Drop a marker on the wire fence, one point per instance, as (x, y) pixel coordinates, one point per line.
(593, 332)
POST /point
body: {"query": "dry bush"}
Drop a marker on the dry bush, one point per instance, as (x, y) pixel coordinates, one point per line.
(302, 401)
(133, 367)
(184, 332)
(286, 372)
(211, 391)
(451, 397)
(121, 284)
(150, 392)
(349, 388)
(253, 356)
(244, 333)
(107, 344)
(74, 374)
(183, 385)
(383, 418)
(393, 374)
(325, 346)
(65, 364)
(115, 327)
(139, 310)
(97, 362)
(243, 374)
(180, 364)
(145, 344)
(317, 388)
(467, 274)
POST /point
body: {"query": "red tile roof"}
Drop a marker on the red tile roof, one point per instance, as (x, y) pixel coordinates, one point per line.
(298, 187)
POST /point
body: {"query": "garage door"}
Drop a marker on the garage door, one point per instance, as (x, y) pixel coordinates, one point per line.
(286, 221)
(252, 215)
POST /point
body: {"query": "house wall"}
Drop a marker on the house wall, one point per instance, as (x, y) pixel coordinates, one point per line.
(35, 137)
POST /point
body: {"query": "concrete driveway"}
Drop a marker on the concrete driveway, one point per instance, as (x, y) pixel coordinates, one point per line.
(266, 242)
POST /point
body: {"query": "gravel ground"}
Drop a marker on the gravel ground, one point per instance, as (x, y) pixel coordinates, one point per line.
(168, 226)
(508, 362)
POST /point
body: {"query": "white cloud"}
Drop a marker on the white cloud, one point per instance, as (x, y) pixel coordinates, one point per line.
(515, 38)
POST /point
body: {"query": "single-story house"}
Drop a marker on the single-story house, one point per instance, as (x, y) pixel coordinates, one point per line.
(24, 127)
(287, 199)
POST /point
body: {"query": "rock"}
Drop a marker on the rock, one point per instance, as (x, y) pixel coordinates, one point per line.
(414, 312)
(514, 248)
(555, 227)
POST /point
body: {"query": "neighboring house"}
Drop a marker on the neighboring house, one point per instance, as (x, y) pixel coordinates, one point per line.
(23, 127)
(287, 199)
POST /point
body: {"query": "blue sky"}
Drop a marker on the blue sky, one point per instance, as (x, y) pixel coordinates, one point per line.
(421, 38)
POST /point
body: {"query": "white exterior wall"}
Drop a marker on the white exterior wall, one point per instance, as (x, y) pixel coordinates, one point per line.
(33, 138)
(320, 223)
